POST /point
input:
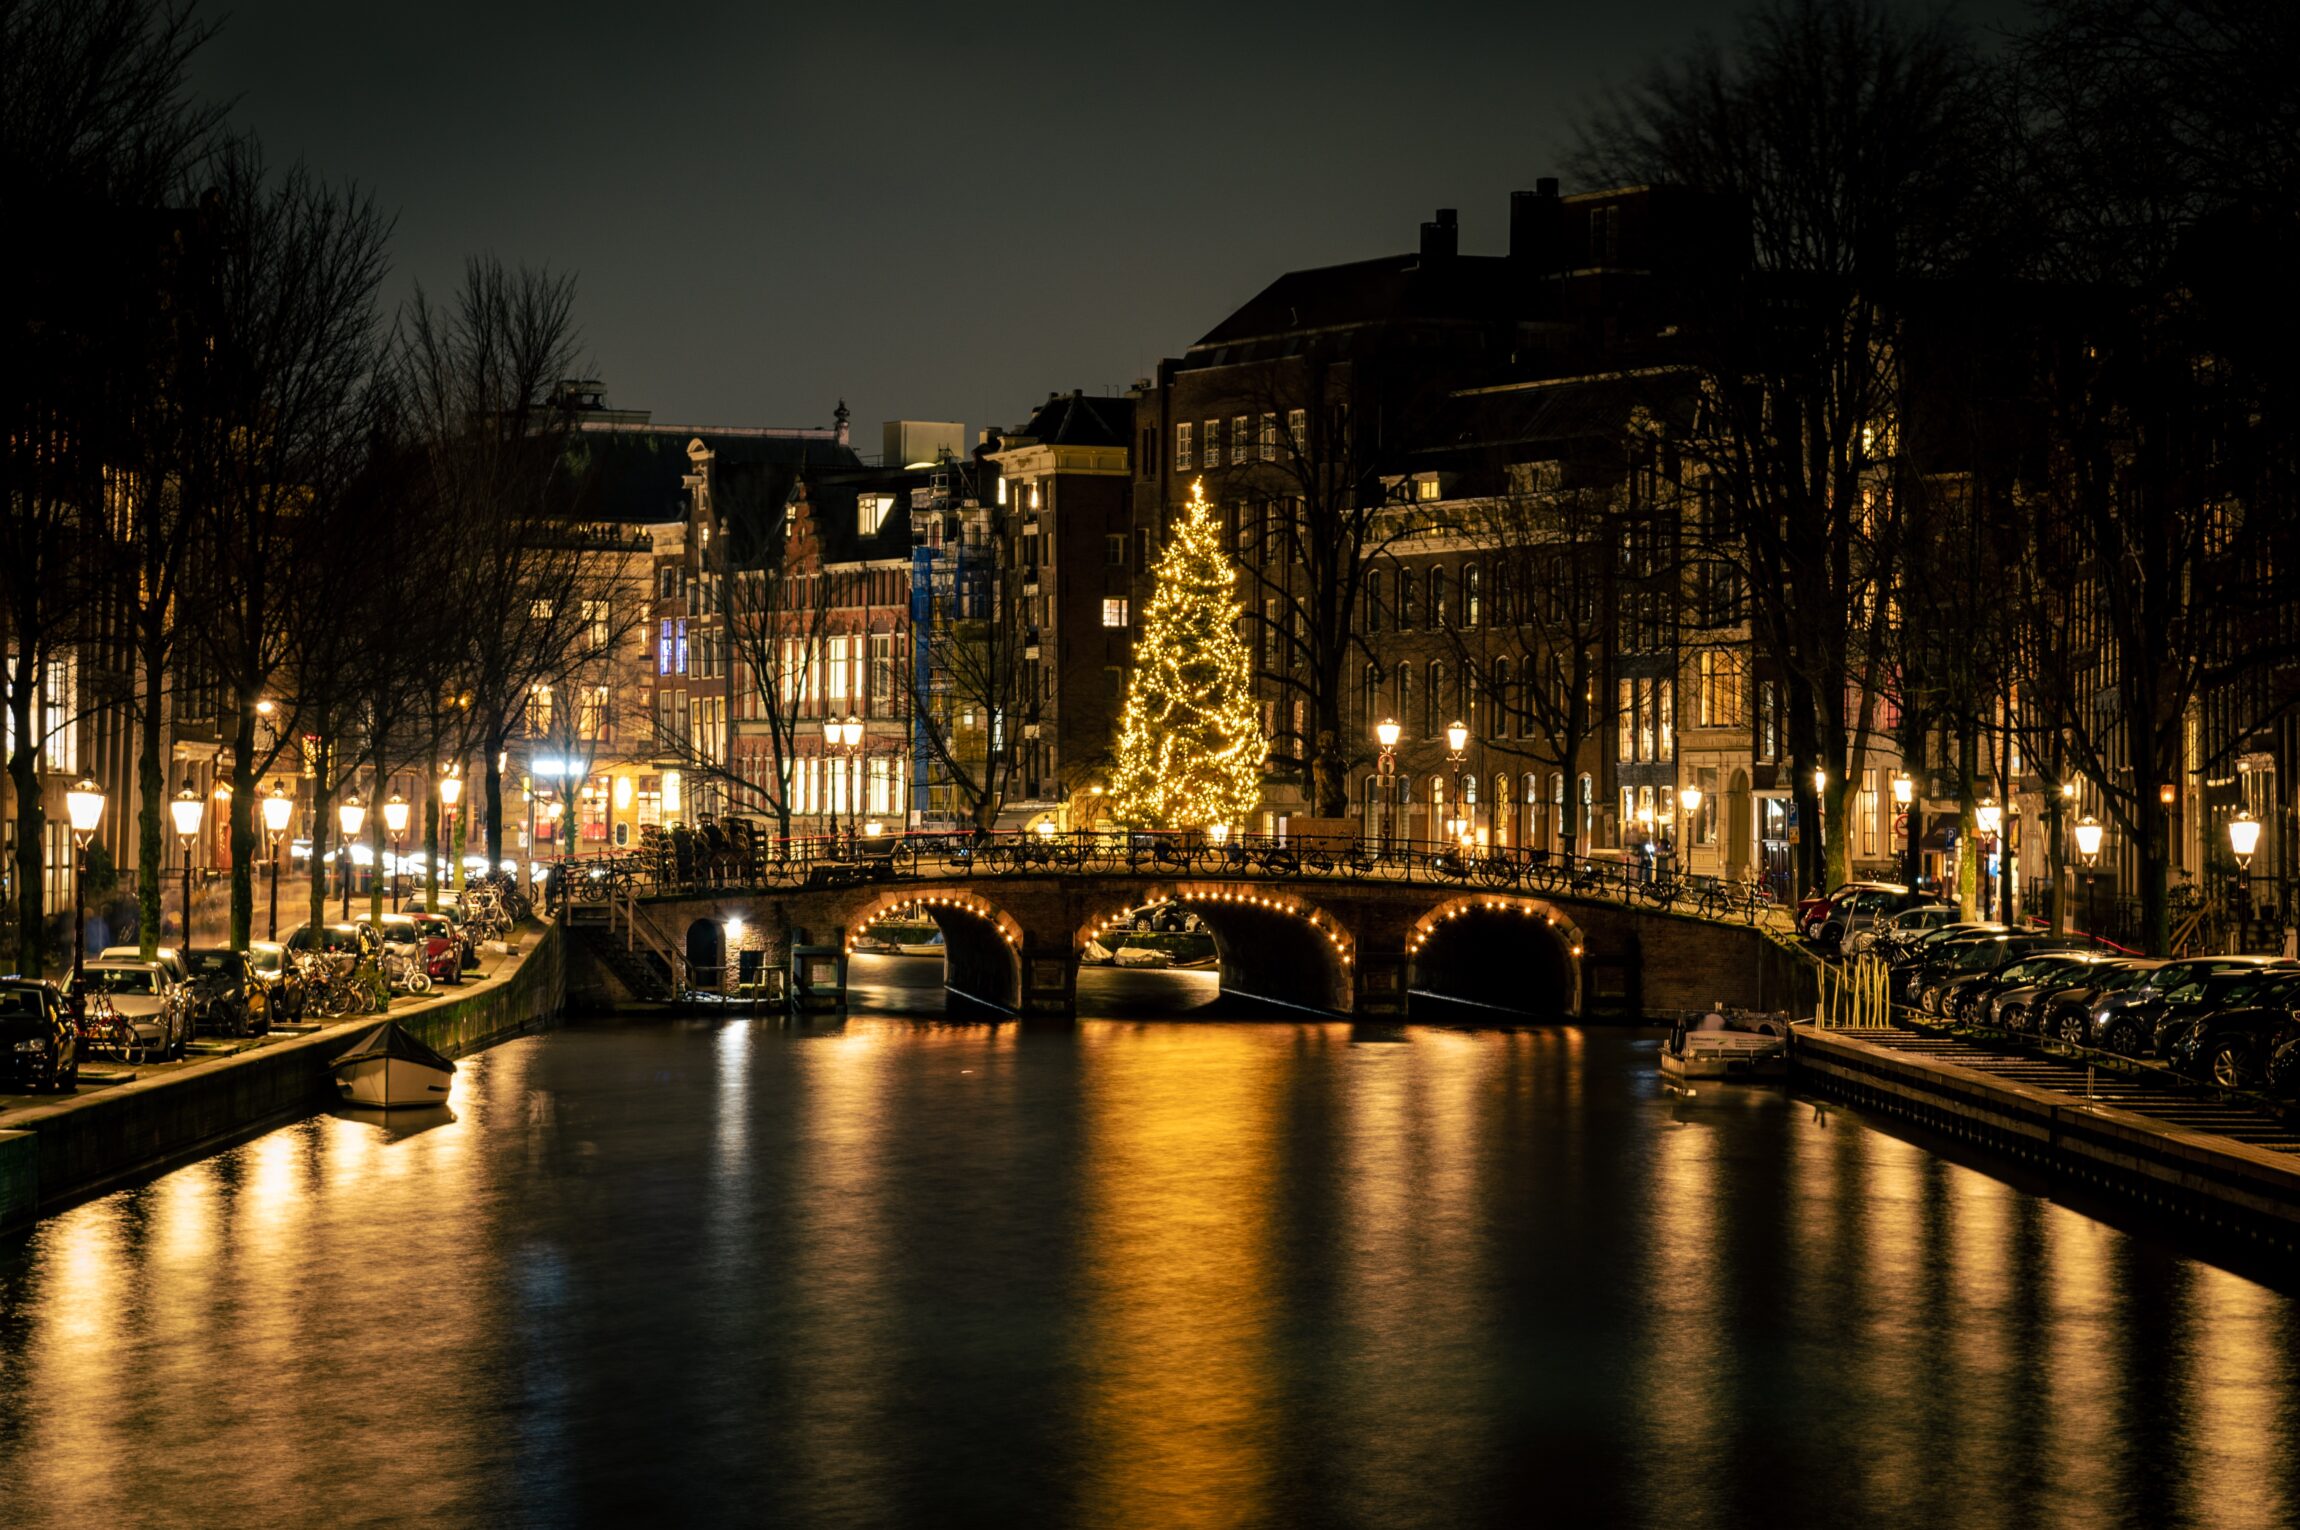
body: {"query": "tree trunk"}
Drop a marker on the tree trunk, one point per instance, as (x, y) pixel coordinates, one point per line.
(23, 771)
(322, 830)
(1968, 851)
(151, 846)
(2155, 856)
(245, 836)
(375, 842)
(494, 740)
(431, 845)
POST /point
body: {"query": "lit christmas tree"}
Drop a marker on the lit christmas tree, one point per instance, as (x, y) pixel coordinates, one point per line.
(1190, 745)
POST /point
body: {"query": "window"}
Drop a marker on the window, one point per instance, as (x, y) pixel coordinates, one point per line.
(1373, 601)
(871, 511)
(1184, 458)
(1213, 443)
(1298, 431)
(1768, 720)
(1625, 697)
(1269, 438)
(1369, 708)
(1405, 599)
(1437, 597)
(540, 609)
(682, 640)
(1002, 476)
(59, 702)
(1433, 701)
(1241, 449)
(1114, 611)
(1425, 488)
(1667, 719)
(837, 676)
(1504, 700)
(538, 711)
(1717, 676)
(596, 626)
(1471, 589)
(591, 712)
(1114, 551)
(1647, 706)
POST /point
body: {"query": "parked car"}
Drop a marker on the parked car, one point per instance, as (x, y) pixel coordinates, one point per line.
(451, 910)
(1973, 997)
(1924, 960)
(153, 1005)
(2284, 1071)
(2234, 1047)
(2042, 1008)
(1890, 931)
(170, 959)
(443, 947)
(39, 1044)
(277, 995)
(345, 945)
(1825, 920)
(1981, 957)
(2146, 1019)
(221, 994)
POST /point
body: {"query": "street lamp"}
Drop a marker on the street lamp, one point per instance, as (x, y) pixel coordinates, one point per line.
(1905, 797)
(1219, 833)
(1386, 734)
(2244, 838)
(451, 798)
(2088, 845)
(1688, 799)
(279, 810)
(847, 738)
(350, 815)
(1989, 818)
(188, 808)
(84, 805)
(1456, 752)
(395, 824)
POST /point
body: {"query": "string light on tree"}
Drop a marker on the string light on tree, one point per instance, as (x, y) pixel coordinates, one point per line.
(1190, 745)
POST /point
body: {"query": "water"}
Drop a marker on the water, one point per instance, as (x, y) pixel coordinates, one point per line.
(1136, 1273)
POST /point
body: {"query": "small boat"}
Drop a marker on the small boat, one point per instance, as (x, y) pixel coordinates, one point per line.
(931, 946)
(1715, 1050)
(1143, 956)
(1096, 954)
(389, 1068)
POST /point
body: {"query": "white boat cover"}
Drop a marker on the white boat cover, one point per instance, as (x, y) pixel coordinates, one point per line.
(391, 1039)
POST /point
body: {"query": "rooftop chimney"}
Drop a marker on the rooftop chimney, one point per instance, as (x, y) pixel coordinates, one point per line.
(1441, 240)
(1537, 225)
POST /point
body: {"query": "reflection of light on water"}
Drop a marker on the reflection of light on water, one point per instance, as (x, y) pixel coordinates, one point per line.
(1176, 1327)
(2239, 1383)
(731, 1127)
(844, 1319)
(1688, 1319)
(2079, 1375)
(269, 1194)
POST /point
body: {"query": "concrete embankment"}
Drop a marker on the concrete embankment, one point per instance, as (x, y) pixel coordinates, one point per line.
(2222, 1186)
(53, 1155)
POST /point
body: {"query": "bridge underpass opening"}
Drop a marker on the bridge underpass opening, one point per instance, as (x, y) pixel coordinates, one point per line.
(1157, 958)
(1494, 959)
(1270, 948)
(952, 953)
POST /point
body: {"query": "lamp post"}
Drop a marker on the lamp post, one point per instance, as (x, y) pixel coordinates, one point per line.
(279, 809)
(1905, 798)
(350, 815)
(188, 808)
(2088, 845)
(2243, 838)
(1386, 735)
(395, 824)
(1989, 819)
(845, 737)
(451, 798)
(1689, 800)
(1456, 754)
(84, 805)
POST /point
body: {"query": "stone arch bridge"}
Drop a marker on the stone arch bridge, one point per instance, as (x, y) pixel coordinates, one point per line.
(1331, 936)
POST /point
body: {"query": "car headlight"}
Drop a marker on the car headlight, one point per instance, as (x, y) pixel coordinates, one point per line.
(2100, 1017)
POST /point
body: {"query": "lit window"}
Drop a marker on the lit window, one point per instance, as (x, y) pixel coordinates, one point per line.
(1425, 488)
(1213, 443)
(1114, 611)
(1183, 459)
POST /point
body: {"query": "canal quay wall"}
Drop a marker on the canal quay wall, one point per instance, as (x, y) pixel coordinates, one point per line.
(54, 1155)
(2219, 1186)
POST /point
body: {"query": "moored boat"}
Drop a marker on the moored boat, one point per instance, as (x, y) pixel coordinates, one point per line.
(389, 1069)
(1716, 1049)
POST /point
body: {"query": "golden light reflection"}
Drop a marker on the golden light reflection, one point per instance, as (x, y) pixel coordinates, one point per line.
(2240, 1383)
(1178, 1314)
(1686, 1334)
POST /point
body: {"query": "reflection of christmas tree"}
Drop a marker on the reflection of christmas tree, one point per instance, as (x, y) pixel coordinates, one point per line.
(1190, 745)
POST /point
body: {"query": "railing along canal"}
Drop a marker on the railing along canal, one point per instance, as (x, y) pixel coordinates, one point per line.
(742, 863)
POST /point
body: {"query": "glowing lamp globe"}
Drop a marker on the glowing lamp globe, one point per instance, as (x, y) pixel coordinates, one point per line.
(2088, 838)
(1456, 737)
(351, 815)
(84, 804)
(2244, 836)
(279, 808)
(187, 810)
(1904, 789)
(395, 815)
(1219, 833)
(450, 790)
(1690, 799)
(1387, 732)
(1988, 817)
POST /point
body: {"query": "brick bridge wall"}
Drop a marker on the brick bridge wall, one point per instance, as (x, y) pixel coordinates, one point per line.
(1348, 948)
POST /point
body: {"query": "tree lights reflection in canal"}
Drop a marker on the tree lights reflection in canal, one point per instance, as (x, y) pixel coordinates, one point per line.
(1127, 1273)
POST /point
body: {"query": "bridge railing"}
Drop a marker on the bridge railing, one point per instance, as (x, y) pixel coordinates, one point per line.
(747, 863)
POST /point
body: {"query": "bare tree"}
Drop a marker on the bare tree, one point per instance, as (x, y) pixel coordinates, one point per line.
(1849, 136)
(95, 131)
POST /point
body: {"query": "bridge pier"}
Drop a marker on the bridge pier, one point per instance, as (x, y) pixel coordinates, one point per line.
(1380, 981)
(1049, 976)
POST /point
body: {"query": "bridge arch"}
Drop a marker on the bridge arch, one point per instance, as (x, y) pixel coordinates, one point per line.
(1273, 943)
(1473, 950)
(982, 943)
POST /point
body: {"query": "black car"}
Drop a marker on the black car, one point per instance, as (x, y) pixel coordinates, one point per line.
(1977, 958)
(2066, 1012)
(1931, 957)
(2233, 1047)
(39, 1043)
(1973, 997)
(2146, 1020)
(221, 987)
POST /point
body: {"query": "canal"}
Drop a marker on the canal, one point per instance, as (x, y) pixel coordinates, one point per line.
(1140, 1271)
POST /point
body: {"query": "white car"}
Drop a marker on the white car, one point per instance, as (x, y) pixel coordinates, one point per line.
(153, 1005)
(170, 959)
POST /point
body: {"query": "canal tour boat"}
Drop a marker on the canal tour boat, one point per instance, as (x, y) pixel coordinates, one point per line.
(1739, 1047)
(389, 1069)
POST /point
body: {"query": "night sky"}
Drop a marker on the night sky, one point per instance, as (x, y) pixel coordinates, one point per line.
(937, 212)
